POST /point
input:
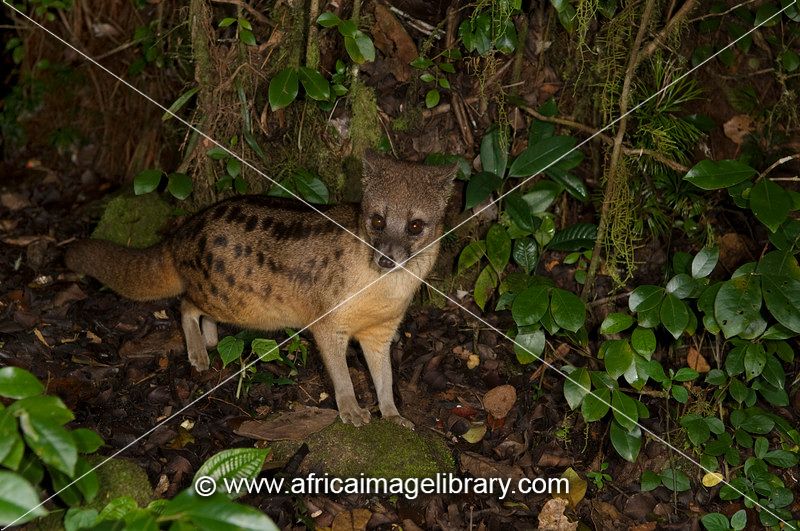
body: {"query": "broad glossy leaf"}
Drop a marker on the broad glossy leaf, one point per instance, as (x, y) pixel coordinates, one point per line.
(146, 181)
(317, 87)
(713, 175)
(494, 156)
(542, 195)
(485, 285)
(180, 102)
(645, 298)
(675, 480)
(619, 357)
(529, 346)
(52, 443)
(530, 305)
(265, 349)
(754, 360)
(179, 185)
(233, 463)
(526, 254)
(571, 182)
(574, 238)
(779, 263)
(705, 261)
(498, 247)
(283, 88)
(643, 341)
(596, 404)
(542, 155)
(737, 303)
(480, 186)
(230, 348)
(520, 212)
(616, 322)
(432, 98)
(576, 386)
(674, 315)
(681, 285)
(471, 255)
(770, 203)
(18, 383)
(17, 497)
(625, 410)
(568, 310)
(782, 297)
(626, 443)
(328, 20)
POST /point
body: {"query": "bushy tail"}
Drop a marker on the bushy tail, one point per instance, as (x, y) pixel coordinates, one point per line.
(138, 274)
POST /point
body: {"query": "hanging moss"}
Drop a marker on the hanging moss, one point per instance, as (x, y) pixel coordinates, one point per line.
(365, 128)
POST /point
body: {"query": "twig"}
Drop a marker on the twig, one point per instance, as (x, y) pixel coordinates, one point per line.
(247, 7)
(653, 45)
(616, 151)
(777, 163)
(711, 15)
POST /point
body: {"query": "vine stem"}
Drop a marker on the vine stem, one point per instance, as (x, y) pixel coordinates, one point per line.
(616, 151)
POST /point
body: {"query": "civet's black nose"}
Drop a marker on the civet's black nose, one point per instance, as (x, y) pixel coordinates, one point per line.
(386, 262)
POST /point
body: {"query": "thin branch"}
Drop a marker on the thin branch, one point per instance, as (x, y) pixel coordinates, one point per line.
(250, 9)
(723, 13)
(777, 163)
(653, 45)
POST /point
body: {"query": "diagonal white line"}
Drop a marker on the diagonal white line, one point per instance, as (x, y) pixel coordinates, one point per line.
(563, 374)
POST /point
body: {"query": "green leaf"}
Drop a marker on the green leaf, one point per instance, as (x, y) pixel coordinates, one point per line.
(230, 348)
(643, 341)
(244, 23)
(266, 349)
(471, 255)
(79, 518)
(674, 315)
(480, 186)
(225, 22)
(493, 156)
(234, 463)
(311, 188)
(432, 98)
(542, 155)
(779, 263)
(767, 15)
(627, 444)
(485, 284)
(754, 360)
(685, 374)
(179, 185)
(246, 37)
(47, 408)
(530, 305)
(619, 357)
(542, 195)
(615, 323)
(715, 522)
(781, 458)
(576, 386)
(316, 86)
(283, 88)
(146, 181)
(568, 310)
(53, 444)
(17, 497)
(790, 60)
(233, 167)
(596, 404)
(705, 261)
(739, 520)
(713, 175)
(650, 481)
(675, 480)
(9, 436)
(529, 346)
(574, 238)
(87, 441)
(520, 212)
(18, 383)
(216, 512)
(217, 153)
(328, 20)
(571, 183)
(770, 203)
(645, 301)
(498, 247)
(625, 410)
(738, 303)
(179, 103)
(526, 254)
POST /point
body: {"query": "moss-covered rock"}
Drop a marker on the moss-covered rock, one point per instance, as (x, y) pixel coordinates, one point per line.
(379, 449)
(121, 477)
(133, 221)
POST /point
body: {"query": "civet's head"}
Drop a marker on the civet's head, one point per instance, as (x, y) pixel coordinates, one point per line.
(403, 207)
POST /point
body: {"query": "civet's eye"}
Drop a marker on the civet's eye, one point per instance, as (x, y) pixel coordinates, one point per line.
(415, 227)
(377, 221)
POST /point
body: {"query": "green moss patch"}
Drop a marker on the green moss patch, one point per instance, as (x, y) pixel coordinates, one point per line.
(133, 221)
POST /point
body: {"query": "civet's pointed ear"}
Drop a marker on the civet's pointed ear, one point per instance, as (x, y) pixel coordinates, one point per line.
(444, 175)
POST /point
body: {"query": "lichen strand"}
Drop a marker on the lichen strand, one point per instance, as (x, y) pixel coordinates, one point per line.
(365, 127)
(621, 236)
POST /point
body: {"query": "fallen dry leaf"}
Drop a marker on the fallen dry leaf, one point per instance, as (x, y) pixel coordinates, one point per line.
(289, 426)
(14, 201)
(552, 516)
(696, 361)
(40, 337)
(738, 127)
(355, 520)
(475, 433)
(71, 294)
(577, 488)
(483, 467)
(499, 401)
(392, 39)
